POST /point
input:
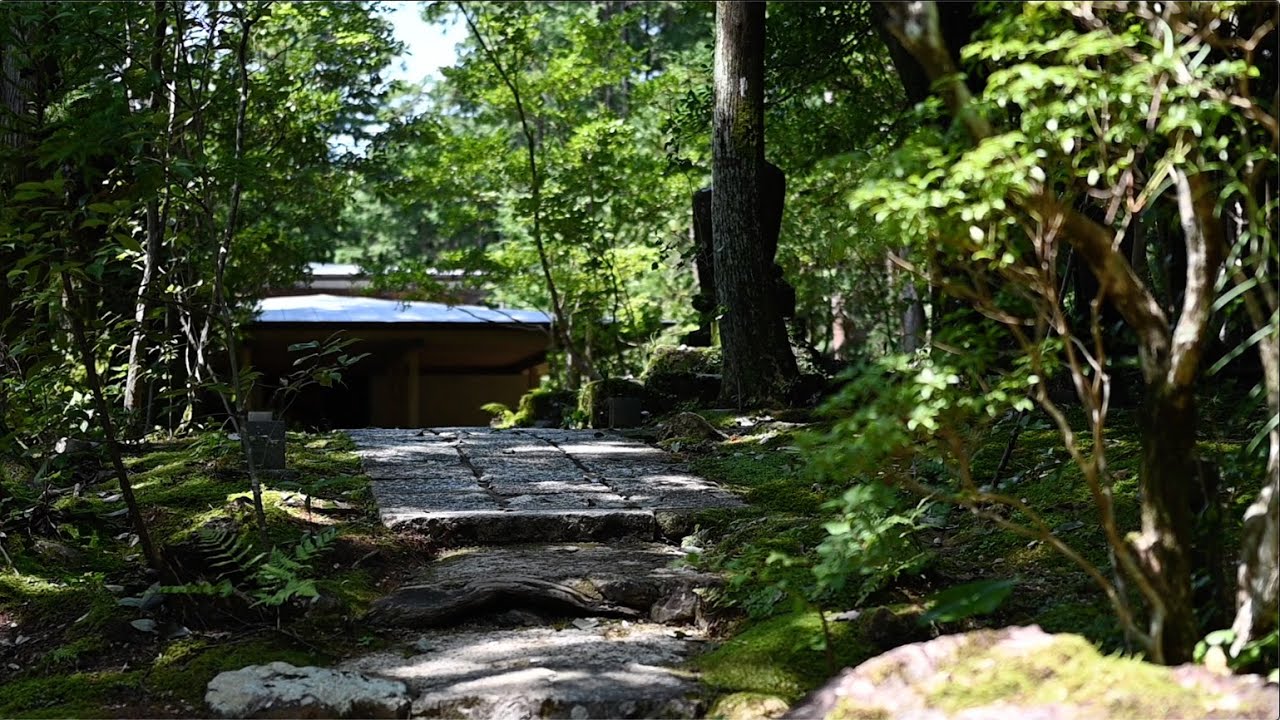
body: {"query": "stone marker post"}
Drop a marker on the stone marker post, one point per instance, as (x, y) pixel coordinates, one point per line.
(266, 441)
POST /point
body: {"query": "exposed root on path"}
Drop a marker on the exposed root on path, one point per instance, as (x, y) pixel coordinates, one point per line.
(427, 606)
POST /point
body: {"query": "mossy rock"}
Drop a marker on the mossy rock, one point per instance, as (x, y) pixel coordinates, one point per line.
(594, 399)
(682, 359)
(748, 706)
(544, 407)
(684, 374)
(1024, 671)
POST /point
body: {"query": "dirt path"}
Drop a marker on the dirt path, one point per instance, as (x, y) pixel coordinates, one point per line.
(562, 595)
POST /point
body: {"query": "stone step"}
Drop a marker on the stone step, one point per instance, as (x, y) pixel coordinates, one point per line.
(477, 485)
(612, 669)
(500, 527)
(634, 580)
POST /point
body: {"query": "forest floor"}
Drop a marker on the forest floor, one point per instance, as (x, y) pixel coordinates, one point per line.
(84, 632)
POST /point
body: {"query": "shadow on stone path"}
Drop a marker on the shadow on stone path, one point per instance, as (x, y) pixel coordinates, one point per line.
(560, 597)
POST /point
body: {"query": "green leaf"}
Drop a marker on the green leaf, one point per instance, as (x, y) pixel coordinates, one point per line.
(963, 601)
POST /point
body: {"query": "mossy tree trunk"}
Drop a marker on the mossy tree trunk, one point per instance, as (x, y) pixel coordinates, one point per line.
(758, 364)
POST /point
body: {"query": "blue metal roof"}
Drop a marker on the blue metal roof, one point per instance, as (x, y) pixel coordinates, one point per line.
(339, 309)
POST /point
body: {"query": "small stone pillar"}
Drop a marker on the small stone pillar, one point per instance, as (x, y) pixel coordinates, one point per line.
(266, 441)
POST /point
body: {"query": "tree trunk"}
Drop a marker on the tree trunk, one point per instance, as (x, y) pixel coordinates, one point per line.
(90, 362)
(1167, 475)
(137, 341)
(758, 364)
(577, 364)
(1258, 572)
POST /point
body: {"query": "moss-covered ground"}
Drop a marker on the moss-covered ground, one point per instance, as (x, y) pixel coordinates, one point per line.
(68, 645)
(767, 611)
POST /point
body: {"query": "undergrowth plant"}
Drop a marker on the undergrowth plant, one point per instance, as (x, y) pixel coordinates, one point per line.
(269, 579)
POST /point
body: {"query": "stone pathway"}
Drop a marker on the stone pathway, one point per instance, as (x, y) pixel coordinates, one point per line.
(562, 595)
(464, 485)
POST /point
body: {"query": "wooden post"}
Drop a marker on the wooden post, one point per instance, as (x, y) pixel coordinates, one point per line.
(414, 391)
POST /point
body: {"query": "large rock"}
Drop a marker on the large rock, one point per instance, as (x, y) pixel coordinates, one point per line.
(280, 690)
(1026, 673)
(684, 374)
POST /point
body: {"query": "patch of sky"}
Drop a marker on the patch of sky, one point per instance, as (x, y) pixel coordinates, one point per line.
(428, 47)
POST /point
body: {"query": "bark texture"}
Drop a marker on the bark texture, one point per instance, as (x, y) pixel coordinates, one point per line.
(758, 364)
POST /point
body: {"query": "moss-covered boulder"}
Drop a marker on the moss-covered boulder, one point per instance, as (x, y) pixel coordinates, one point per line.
(1026, 672)
(544, 407)
(684, 374)
(609, 402)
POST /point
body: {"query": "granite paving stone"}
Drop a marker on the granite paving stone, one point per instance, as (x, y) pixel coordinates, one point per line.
(504, 486)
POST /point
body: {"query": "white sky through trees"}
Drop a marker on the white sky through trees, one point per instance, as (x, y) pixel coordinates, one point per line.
(428, 47)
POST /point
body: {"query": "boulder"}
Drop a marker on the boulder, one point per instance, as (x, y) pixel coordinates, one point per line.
(281, 690)
(684, 374)
(689, 426)
(1024, 672)
(682, 606)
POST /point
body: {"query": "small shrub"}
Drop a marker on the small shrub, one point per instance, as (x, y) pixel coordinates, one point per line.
(544, 405)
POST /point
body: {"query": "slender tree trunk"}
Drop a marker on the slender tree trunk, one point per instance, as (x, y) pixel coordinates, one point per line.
(1258, 572)
(221, 314)
(90, 362)
(577, 365)
(155, 229)
(758, 364)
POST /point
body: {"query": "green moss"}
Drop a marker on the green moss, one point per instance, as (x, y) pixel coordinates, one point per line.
(543, 403)
(320, 456)
(70, 655)
(62, 696)
(185, 668)
(768, 478)
(183, 485)
(1067, 670)
(81, 602)
(355, 590)
(721, 419)
(684, 374)
(193, 491)
(1086, 617)
(668, 360)
(777, 656)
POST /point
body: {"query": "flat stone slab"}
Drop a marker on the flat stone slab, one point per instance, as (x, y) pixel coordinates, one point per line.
(609, 669)
(638, 577)
(479, 485)
(500, 527)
